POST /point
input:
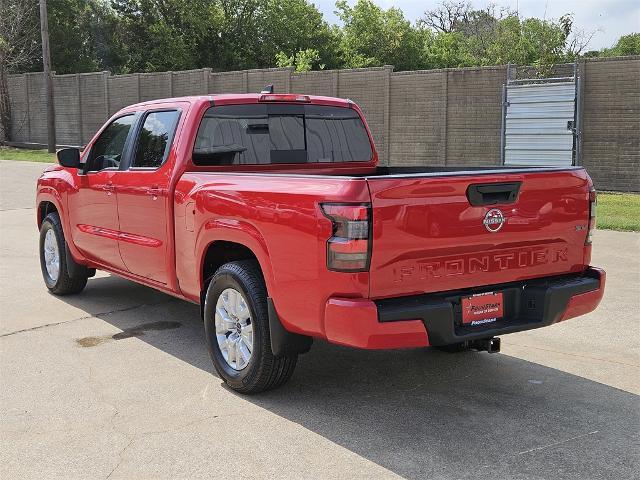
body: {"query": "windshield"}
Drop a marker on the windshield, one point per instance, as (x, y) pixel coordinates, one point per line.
(258, 134)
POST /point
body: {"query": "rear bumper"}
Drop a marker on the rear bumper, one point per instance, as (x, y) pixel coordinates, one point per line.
(435, 319)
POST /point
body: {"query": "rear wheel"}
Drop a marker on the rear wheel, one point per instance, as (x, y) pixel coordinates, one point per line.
(56, 262)
(237, 330)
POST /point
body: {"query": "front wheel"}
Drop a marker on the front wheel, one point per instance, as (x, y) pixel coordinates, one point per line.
(237, 330)
(56, 261)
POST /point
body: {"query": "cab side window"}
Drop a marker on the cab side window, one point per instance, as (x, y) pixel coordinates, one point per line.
(108, 148)
(154, 140)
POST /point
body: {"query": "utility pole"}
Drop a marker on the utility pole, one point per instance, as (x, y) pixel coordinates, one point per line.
(46, 64)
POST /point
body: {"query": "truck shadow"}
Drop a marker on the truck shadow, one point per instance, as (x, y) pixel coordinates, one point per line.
(418, 413)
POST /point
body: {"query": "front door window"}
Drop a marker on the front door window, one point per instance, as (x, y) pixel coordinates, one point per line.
(107, 150)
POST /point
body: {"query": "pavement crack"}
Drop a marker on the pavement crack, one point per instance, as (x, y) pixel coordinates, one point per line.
(120, 455)
(85, 317)
(19, 208)
(181, 426)
(39, 327)
(561, 442)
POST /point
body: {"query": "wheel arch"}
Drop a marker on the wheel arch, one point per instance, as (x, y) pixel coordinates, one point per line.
(49, 201)
(222, 242)
(219, 252)
(224, 249)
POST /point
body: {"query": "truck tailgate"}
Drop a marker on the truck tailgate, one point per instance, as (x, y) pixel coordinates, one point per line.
(428, 237)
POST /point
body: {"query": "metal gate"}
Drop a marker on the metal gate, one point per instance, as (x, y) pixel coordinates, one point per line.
(540, 121)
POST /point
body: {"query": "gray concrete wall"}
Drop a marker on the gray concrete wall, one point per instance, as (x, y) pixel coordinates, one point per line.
(611, 123)
(434, 117)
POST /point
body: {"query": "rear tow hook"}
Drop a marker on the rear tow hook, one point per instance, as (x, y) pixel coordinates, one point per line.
(490, 345)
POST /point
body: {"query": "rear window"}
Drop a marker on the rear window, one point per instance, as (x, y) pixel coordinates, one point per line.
(260, 134)
(155, 139)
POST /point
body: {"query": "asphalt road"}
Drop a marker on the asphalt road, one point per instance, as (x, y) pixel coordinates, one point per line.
(92, 386)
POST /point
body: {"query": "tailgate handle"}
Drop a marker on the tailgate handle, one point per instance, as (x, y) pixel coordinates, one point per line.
(480, 194)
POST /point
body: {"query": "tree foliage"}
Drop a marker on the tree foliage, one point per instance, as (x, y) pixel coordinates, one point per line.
(372, 36)
(626, 45)
(302, 61)
(19, 48)
(84, 36)
(155, 35)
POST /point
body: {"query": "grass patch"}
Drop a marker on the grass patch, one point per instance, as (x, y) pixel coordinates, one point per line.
(618, 211)
(26, 155)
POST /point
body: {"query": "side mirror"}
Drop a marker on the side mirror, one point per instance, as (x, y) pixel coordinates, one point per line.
(69, 157)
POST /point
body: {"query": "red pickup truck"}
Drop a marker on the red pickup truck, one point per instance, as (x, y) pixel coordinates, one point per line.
(270, 211)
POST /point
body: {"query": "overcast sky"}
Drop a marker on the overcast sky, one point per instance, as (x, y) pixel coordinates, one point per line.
(612, 18)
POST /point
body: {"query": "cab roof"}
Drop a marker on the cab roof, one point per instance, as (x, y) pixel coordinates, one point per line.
(244, 98)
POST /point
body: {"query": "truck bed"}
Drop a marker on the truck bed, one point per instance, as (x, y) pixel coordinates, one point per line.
(438, 171)
(397, 172)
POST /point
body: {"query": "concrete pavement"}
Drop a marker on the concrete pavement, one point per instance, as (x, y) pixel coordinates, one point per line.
(116, 383)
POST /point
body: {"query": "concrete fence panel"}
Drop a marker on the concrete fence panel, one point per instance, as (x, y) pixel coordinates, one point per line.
(37, 104)
(278, 77)
(418, 118)
(611, 123)
(316, 83)
(228, 82)
(436, 117)
(92, 95)
(369, 89)
(18, 95)
(67, 105)
(474, 116)
(155, 85)
(122, 90)
(192, 82)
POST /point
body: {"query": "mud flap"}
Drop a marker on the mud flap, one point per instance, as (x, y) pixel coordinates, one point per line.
(284, 342)
(74, 269)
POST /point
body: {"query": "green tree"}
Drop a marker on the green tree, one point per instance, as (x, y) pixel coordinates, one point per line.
(626, 45)
(446, 50)
(294, 27)
(372, 36)
(302, 61)
(461, 36)
(479, 28)
(19, 51)
(527, 42)
(156, 35)
(253, 32)
(84, 36)
(166, 34)
(238, 34)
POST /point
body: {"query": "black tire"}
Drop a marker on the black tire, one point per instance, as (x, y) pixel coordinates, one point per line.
(65, 284)
(455, 347)
(264, 371)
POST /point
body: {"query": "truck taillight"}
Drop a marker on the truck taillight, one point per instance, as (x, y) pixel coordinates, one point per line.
(284, 97)
(349, 247)
(593, 200)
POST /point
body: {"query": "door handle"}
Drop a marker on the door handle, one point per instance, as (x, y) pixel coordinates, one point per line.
(492, 193)
(109, 188)
(154, 191)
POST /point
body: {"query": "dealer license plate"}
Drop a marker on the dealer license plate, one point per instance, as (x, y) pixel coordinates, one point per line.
(482, 308)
